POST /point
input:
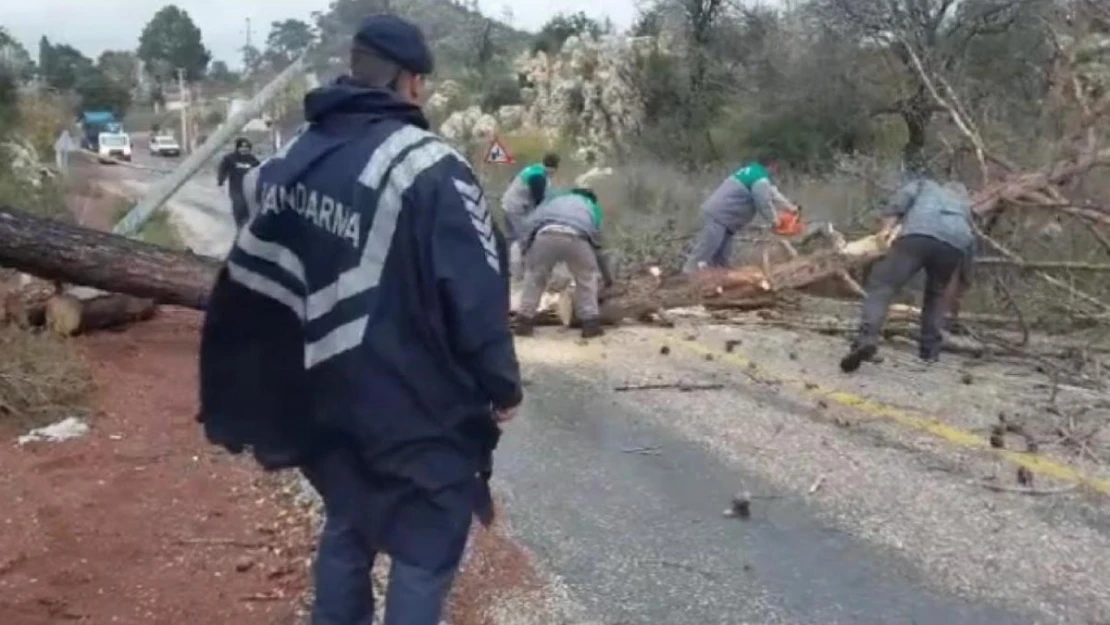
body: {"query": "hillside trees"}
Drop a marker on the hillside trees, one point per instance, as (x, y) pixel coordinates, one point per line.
(171, 41)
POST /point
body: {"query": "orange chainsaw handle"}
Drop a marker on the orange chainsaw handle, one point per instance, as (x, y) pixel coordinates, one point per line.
(789, 223)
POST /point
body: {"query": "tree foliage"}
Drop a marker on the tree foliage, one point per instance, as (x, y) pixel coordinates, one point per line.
(935, 33)
(252, 59)
(221, 73)
(14, 58)
(287, 40)
(563, 26)
(119, 66)
(98, 91)
(817, 79)
(451, 28)
(171, 41)
(62, 65)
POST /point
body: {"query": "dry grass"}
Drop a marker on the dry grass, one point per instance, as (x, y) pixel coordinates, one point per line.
(157, 230)
(42, 379)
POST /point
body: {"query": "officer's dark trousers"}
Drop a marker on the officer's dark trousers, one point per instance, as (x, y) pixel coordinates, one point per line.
(239, 210)
(345, 556)
(907, 256)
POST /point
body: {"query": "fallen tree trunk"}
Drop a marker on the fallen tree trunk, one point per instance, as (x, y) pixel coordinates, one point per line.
(67, 314)
(57, 251)
(733, 288)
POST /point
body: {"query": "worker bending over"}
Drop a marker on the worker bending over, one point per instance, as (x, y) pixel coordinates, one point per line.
(564, 229)
(934, 232)
(527, 191)
(732, 207)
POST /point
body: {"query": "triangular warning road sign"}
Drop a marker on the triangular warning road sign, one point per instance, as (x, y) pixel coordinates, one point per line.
(498, 153)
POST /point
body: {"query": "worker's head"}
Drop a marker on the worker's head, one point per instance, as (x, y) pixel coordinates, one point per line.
(596, 214)
(551, 163)
(243, 145)
(391, 53)
(769, 160)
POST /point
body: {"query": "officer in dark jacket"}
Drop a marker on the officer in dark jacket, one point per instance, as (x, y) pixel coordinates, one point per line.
(232, 169)
(359, 331)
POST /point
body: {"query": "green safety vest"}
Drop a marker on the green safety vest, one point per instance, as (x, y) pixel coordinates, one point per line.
(596, 214)
(531, 171)
(750, 175)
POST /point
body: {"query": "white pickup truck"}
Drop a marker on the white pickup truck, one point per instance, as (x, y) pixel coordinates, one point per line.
(114, 146)
(164, 145)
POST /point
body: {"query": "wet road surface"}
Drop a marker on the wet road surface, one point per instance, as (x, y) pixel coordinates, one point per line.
(630, 516)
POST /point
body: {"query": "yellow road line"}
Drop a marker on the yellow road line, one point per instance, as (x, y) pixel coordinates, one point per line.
(1035, 462)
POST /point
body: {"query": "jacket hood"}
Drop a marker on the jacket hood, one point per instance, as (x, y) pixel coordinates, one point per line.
(346, 100)
(339, 113)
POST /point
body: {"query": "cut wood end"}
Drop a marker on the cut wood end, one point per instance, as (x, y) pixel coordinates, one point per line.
(63, 315)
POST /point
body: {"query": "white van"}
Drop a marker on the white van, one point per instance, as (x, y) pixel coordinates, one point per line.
(114, 146)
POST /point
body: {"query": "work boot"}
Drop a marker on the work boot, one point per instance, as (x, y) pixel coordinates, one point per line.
(929, 356)
(856, 357)
(591, 328)
(524, 326)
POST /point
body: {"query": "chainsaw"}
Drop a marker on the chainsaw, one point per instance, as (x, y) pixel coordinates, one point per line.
(789, 223)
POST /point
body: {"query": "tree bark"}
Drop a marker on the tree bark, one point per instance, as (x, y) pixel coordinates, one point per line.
(745, 287)
(66, 253)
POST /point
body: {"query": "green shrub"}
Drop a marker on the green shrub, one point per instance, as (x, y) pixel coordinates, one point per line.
(501, 90)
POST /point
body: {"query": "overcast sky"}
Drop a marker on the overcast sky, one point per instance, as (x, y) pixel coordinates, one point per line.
(98, 25)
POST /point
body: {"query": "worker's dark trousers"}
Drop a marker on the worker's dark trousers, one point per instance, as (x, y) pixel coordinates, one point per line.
(239, 210)
(907, 256)
(344, 558)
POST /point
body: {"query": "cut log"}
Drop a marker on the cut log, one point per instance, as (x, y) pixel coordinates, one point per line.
(67, 315)
(66, 253)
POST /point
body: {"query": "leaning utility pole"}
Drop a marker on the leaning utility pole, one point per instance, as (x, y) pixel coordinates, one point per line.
(166, 187)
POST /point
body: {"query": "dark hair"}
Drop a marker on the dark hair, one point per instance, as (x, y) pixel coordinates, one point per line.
(766, 158)
(370, 69)
(551, 160)
(242, 142)
(586, 193)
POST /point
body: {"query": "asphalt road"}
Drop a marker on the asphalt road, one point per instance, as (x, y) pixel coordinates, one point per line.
(629, 515)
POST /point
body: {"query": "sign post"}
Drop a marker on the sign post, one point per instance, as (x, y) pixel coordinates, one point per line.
(62, 147)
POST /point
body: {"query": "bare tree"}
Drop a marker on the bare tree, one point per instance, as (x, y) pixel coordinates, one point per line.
(934, 33)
